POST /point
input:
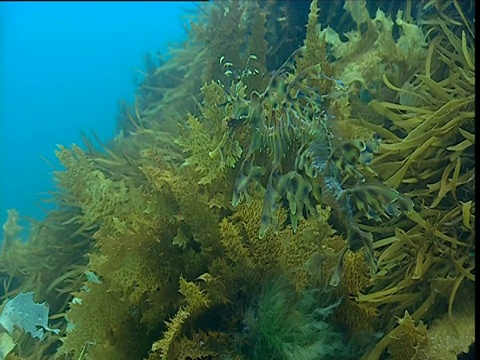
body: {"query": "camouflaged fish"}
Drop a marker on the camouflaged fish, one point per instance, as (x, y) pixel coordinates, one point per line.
(299, 160)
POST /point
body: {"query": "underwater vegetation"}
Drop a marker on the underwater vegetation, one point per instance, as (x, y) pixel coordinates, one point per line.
(269, 333)
(296, 190)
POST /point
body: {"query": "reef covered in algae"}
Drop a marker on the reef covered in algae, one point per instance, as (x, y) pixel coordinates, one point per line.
(301, 188)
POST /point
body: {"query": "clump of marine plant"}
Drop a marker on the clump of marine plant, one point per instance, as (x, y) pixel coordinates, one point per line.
(285, 325)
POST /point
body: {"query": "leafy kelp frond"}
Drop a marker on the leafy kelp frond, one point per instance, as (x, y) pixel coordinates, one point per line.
(425, 264)
(196, 300)
(371, 48)
(208, 144)
(162, 347)
(433, 162)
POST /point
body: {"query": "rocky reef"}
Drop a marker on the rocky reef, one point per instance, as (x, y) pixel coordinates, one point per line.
(300, 188)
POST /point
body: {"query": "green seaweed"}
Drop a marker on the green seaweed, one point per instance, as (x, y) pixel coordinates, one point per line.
(284, 325)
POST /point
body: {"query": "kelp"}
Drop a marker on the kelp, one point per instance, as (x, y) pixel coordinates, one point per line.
(51, 264)
(196, 300)
(209, 136)
(280, 160)
(123, 268)
(433, 250)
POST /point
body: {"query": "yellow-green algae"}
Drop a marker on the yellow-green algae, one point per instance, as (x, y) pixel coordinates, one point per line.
(271, 162)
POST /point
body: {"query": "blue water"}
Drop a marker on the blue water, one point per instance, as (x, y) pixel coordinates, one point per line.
(63, 68)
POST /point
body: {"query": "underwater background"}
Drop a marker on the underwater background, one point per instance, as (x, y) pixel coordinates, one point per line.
(293, 180)
(64, 69)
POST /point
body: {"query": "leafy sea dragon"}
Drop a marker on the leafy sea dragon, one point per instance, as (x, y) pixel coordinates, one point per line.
(372, 200)
(291, 117)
